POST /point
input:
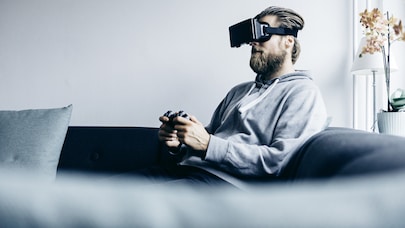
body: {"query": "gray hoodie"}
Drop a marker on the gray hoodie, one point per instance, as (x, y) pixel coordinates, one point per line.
(259, 125)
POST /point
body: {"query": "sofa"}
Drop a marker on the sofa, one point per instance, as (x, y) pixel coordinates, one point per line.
(333, 153)
(341, 177)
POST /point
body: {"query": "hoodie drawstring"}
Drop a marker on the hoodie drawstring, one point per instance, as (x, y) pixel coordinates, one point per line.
(260, 98)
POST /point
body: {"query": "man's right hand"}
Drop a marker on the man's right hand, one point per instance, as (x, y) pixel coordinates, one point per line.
(167, 134)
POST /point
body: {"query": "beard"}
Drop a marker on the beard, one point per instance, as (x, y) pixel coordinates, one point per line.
(266, 64)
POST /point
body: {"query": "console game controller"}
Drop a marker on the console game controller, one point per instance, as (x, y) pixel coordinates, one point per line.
(171, 115)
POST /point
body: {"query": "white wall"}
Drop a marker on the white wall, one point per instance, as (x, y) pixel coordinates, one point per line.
(126, 62)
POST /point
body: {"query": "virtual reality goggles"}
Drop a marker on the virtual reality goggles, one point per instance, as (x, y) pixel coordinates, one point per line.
(252, 30)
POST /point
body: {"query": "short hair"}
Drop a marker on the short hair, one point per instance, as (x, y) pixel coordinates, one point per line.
(287, 18)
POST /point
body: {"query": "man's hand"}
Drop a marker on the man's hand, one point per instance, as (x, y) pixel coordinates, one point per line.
(167, 133)
(192, 133)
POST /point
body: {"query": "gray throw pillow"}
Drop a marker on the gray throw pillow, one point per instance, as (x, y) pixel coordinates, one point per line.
(32, 140)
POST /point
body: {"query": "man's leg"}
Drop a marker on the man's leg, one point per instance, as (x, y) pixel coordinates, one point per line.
(178, 174)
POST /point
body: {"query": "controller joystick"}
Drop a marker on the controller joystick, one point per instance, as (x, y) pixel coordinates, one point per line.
(171, 115)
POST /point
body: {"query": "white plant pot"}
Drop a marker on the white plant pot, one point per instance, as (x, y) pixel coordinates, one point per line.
(392, 123)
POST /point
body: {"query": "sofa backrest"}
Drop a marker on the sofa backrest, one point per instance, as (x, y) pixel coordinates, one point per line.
(343, 152)
(109, 149)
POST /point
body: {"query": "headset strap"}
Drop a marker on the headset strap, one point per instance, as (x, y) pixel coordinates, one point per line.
(281, 31)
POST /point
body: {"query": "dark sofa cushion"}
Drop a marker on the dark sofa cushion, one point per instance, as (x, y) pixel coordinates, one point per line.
(112, 150)
(341, 152)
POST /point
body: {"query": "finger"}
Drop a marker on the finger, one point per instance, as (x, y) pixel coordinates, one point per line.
(165, 133)
(164, 119)
(195, 120)
(180, 128)
(168, 138)
(167, 127)
(172, 144)
(180, 120)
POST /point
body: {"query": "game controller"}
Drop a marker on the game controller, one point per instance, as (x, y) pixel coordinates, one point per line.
(171, 115)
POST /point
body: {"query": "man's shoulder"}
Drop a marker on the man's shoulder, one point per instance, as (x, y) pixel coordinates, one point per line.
(304, 83)
(243, 85)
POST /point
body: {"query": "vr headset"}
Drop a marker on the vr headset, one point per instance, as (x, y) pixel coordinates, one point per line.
(251, 30)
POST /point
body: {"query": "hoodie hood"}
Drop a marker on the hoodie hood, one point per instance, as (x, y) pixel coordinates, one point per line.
(255, 95)
(261, 89)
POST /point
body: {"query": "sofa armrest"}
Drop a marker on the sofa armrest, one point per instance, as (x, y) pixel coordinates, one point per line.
(341, 152)
(109, 149)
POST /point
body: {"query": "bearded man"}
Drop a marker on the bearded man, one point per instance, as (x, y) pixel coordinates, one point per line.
(259, 125)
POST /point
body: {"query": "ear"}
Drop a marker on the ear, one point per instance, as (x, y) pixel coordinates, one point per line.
(289, 41)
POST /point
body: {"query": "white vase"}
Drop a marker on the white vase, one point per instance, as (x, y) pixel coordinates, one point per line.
(392, 123)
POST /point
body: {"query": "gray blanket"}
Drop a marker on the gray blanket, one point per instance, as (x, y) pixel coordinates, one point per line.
(80, 201)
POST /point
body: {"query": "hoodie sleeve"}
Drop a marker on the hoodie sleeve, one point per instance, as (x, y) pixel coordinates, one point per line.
(302, 115)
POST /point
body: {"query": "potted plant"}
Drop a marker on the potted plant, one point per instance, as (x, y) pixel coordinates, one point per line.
(381, 31)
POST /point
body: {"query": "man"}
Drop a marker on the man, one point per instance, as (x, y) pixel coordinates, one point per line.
(259, 125)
